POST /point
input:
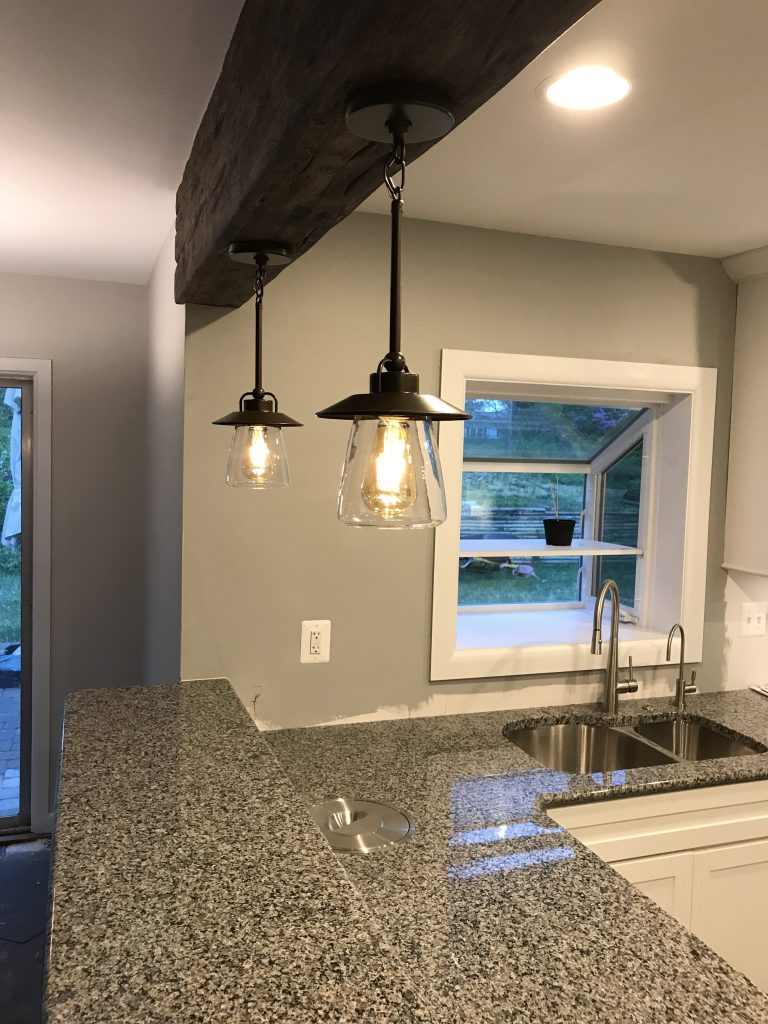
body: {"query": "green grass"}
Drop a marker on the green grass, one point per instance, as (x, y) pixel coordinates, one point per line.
(557, 581)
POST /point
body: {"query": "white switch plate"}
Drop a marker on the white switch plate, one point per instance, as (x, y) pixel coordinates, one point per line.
(315, 641)
(753, 618)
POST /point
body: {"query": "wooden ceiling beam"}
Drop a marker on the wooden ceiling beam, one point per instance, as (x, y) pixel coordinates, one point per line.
(273, 158)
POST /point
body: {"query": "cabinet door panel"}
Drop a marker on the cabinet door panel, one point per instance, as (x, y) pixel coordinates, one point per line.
(730, 905)
(666, 880)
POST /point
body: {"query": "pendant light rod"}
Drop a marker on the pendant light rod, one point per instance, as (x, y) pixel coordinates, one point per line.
(390, 113)
(395, 355)
(398, 124)
(261, 270)
(259, 407)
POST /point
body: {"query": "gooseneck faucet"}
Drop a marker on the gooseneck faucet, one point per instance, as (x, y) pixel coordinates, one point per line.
(681, 687)
(612, 685)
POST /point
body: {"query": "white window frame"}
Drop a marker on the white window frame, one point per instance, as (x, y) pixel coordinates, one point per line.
(539, 374)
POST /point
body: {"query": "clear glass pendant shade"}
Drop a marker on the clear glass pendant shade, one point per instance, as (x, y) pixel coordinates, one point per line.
(392, 476)
(257, 458)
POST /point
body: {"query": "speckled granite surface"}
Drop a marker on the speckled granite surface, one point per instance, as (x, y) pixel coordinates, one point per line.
(498, 912)
(190, 885)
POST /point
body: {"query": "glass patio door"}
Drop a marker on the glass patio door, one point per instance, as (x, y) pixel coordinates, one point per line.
(15, 603)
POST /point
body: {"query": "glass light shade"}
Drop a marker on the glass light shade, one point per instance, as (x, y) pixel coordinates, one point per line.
(392, 476)
(257, 458)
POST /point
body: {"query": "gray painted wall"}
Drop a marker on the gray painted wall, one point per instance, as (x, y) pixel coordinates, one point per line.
(95, 334)
(165, 430)
(256, 564)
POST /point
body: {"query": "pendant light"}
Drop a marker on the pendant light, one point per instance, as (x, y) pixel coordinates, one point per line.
(392, 476)
(257, 455)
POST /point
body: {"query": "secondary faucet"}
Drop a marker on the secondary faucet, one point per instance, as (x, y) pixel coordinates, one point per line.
(613, 687)
(681, 687)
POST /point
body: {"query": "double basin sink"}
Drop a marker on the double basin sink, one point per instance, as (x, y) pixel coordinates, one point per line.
(584, 748)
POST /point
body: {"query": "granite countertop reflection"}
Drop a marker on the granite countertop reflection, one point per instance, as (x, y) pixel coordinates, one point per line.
(494, 907)
(190, 884)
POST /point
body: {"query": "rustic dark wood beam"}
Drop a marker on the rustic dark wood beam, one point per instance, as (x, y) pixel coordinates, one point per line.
(273, 158)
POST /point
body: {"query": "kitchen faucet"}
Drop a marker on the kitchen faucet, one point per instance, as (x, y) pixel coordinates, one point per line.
(681, 687)
(613, 687)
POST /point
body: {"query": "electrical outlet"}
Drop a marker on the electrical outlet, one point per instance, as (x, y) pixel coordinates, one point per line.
(315, 641)
(753, 618)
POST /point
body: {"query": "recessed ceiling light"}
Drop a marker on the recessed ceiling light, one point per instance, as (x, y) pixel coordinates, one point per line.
(586, 88)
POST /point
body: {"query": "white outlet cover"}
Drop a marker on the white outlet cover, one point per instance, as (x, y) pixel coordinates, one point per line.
(308, 627)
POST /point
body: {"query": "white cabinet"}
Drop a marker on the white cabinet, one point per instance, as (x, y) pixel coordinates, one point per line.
(667, 880)
(729, 909)
(702, 855)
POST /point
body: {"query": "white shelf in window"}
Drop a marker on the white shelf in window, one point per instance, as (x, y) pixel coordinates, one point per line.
(540, 549)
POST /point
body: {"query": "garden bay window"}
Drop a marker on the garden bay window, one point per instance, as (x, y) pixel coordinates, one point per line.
(624, 452)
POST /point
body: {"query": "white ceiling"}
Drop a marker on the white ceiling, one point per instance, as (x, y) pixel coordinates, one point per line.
(99, 104)
(681, 165)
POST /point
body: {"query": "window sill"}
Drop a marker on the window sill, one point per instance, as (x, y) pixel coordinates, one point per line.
(520, 643)
(499, 630)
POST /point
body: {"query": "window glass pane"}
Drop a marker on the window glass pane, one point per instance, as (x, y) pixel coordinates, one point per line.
(484, 581)
(511, 506)
(495, 506)
(10, 519)
(10, 603)
(507, 429)
(621, 520)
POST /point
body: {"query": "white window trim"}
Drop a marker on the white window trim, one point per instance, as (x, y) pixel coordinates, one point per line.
(38, 372)
(651, 379)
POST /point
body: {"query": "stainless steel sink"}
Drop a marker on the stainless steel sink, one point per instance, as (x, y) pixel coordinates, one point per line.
(694, 741)
(584, 749)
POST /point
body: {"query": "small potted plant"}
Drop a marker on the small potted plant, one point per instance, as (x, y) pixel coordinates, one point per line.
(558, 532)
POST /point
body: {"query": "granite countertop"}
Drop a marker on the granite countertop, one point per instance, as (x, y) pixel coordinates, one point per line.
(495, 908)
(190, 884)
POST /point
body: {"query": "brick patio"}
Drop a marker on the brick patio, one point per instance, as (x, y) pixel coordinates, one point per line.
(10, 738)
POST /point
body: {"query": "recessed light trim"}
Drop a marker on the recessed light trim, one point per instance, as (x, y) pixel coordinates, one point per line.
(586, 88)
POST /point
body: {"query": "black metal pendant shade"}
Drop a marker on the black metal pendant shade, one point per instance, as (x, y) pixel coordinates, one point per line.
(395, 112)
(256, 412)
(393, 394)
(258, 408)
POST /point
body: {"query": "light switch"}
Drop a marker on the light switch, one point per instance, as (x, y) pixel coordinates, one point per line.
(753, 618)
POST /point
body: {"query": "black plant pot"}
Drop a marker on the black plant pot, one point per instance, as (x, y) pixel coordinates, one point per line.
(559, 532)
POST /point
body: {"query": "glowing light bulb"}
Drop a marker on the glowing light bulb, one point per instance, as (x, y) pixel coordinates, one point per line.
(389, 484)
(257, 454)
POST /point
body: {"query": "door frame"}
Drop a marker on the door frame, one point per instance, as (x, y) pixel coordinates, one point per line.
(38, 372)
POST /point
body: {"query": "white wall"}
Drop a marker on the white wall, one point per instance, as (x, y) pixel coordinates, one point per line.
(256, 564)
(165, 430)
(95, 334)
(746, 658)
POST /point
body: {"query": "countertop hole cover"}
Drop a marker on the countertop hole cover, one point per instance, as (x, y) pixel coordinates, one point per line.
(360, 826)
